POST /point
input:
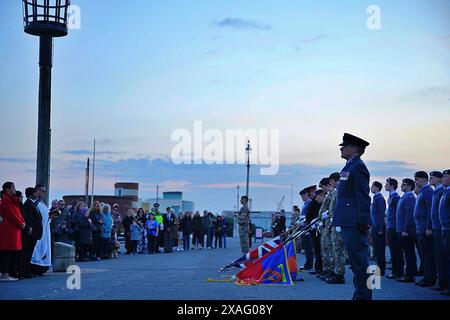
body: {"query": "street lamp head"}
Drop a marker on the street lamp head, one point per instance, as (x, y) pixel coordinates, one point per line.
(45, 17)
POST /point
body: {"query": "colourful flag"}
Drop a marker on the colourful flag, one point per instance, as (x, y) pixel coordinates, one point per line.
(272, 268)
(292, 259)
(254, 254)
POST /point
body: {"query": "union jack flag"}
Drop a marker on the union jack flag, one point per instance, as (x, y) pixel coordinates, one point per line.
(254, 254)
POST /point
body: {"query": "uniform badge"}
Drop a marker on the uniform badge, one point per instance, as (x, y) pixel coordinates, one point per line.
(344, 175)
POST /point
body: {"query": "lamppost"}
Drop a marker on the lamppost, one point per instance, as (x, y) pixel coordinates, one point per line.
(248, 149)
(46, 19)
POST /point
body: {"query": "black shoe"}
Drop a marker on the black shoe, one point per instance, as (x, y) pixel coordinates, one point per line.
(391, 276)
(407, 279)
(305, 268)
(419, 283)
(337, 279)
(426, 283)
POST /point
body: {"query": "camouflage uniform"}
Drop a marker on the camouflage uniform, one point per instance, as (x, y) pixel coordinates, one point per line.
(243, 219)
(325, 240)
(337, 242)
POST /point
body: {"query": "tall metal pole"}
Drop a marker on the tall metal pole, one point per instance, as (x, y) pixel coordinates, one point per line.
(248, 149)
(93, 176)
(44, 131)
(292, 196)
(86, 184)
(157, 193)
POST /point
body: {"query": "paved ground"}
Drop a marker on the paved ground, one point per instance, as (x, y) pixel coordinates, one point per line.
(183, 275)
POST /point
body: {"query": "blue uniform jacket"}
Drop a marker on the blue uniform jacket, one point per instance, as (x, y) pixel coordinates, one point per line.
(444, 210)
(422, 211)
(353, 200)
(378, 212)
(393, 200)
(405, 214)
(437, 194)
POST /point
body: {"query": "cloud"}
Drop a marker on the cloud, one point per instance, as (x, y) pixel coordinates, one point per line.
(391, 168)
(90, 152)
(241, 24)
(313, 38)
(16, 160)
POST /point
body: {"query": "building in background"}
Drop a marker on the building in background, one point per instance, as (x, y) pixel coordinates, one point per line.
(126, 194)
(172, 199)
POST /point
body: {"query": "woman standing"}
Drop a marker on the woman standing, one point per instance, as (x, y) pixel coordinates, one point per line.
(197, 228)
(106, 231)
(96, 217)
(85, 237)
(10, 232)
(152, 233)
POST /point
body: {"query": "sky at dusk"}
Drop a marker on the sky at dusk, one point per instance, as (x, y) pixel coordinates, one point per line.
(138, 70)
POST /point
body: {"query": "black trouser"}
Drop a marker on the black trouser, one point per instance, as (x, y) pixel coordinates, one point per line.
(419, 252)
(197, 238)
(309, 251)
(395, 248)
(426, 244)
(439, 258)
(25, 256)
(133, 246)
(9, 262)
(186, 241)
(446, 245)
(84, 250)
(167, 241)
(409, 253)
(97, 243)
(379, 249)
(151, 245)
(218, 238)
(105, 245)
(127, 241)
(315, 241)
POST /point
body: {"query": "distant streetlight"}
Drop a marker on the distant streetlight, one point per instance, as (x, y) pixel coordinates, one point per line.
(46, 19)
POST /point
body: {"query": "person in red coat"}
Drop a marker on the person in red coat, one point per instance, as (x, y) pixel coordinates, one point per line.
(10, 232)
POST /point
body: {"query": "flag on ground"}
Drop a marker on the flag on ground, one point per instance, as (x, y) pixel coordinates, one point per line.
(272, 268)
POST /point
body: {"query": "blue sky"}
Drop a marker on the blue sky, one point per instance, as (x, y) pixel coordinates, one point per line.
(137, 70)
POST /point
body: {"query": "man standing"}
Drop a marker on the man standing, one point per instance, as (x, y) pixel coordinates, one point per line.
(325, 231)
(169, 224)
(438, 248)
(391, 231)
(42, 254)
(444, 219)
(406, 229)
(353, 210)
(33, 220)
(306, 196)
(243, 219)
(422, 216)
(378, 230)
(339, 254)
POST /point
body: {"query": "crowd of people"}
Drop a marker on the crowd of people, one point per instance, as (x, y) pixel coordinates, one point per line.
(415, 226)
(29, 231)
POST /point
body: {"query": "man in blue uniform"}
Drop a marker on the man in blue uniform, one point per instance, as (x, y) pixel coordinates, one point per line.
(353, 210)
(438, 248)
(406, 229)
(422, 216)
(444, 219)
(378, 229)
(391, 230)
(305, 194)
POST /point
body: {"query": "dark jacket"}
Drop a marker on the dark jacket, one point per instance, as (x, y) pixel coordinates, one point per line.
(422, 209)
(405, 214)
(312, 211)
(218, 226)
(378, 213)
(126, 223)
(169, 222)
(33, 219)
(353, 200)
(186, 225)
(85, 231)
(197, 224)
(393, 200)
(61, 228)
(97, 221)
